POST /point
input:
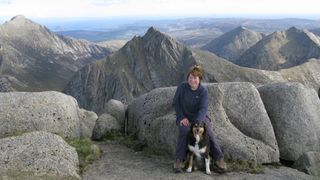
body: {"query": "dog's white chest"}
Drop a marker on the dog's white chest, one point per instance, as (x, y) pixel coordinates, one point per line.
(196, 150)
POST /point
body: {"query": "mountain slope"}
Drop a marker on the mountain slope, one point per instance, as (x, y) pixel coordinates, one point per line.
(282, 49)
(144, 63)
(156, 60)
(233, 43)
(39, 58)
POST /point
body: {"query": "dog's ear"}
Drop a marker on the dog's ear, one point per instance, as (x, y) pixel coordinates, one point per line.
(202, 124)
(204, 127)
(191, 124)
(191, 132)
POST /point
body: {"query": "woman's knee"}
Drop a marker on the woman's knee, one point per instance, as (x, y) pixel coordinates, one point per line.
(184, 130)
(209, 129)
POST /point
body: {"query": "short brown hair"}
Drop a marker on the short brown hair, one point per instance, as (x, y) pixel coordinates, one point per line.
(196, 70)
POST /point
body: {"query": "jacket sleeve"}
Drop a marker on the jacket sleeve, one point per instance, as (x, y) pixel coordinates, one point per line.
(176, 104)
(203, 106)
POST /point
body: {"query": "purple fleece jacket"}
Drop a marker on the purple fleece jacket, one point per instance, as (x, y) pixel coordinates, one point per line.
(190, 104)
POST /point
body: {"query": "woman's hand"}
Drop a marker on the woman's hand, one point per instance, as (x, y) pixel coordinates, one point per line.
(184, 122)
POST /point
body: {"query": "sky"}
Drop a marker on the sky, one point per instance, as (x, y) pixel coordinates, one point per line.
(161, 8)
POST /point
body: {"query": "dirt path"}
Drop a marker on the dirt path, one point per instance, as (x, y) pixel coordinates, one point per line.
(120, 162)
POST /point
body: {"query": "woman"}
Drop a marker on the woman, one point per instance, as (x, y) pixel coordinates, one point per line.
(191, 105)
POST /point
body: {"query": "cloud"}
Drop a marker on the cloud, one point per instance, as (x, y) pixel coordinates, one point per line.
(111, 8)
(106, 2)
(5, 2)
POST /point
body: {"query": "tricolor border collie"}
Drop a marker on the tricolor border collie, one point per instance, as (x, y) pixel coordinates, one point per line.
(198, 147)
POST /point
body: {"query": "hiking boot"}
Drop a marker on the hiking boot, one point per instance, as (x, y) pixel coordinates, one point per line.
(221, 165)
(177, 167)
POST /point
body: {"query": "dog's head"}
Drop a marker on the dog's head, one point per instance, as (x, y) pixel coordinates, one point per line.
(198, 129)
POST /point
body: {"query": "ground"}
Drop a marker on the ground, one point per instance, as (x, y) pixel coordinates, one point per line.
(119, 162)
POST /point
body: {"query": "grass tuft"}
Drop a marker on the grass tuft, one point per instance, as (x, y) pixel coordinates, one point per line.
(13, 134)
(87, 151)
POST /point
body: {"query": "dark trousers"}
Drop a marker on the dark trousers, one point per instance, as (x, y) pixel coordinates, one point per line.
(181, 147)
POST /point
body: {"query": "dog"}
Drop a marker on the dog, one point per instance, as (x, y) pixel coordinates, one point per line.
(198, 147)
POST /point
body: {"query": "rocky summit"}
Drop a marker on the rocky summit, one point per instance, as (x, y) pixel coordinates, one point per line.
(40, 59)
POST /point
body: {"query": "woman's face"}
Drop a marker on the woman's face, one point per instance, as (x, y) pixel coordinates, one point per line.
(193, 81)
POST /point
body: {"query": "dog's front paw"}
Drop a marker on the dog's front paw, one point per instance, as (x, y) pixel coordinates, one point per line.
(208, 172)
(189, 170)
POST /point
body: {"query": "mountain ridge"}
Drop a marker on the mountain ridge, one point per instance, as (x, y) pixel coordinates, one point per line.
(143, 64)
(232, 44)
(41, 59)
(281, 49)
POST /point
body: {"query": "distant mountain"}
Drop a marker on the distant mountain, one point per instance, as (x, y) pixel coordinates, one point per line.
(40, 59)
(192, 37)
(232, 44)
(157, 60)
(282, 49)
(120, 33)
(195, 37)
(193, 32)
(315, 31)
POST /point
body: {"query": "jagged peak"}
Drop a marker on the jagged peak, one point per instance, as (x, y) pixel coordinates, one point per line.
(18, 17)
(152, 38)
(294, 29)
(152, 30)
(240, 28)
(289, 30)
(305, 33)
(21, 21)
(244, 30)
(153, 33)
(238, 31)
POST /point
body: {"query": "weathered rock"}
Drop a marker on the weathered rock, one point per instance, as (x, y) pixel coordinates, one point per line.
(116, 109)
(87, 122)
(105, 123)
(37, 155)
(239, 120)
(309, 162)
(295, 116)
(46, 111)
